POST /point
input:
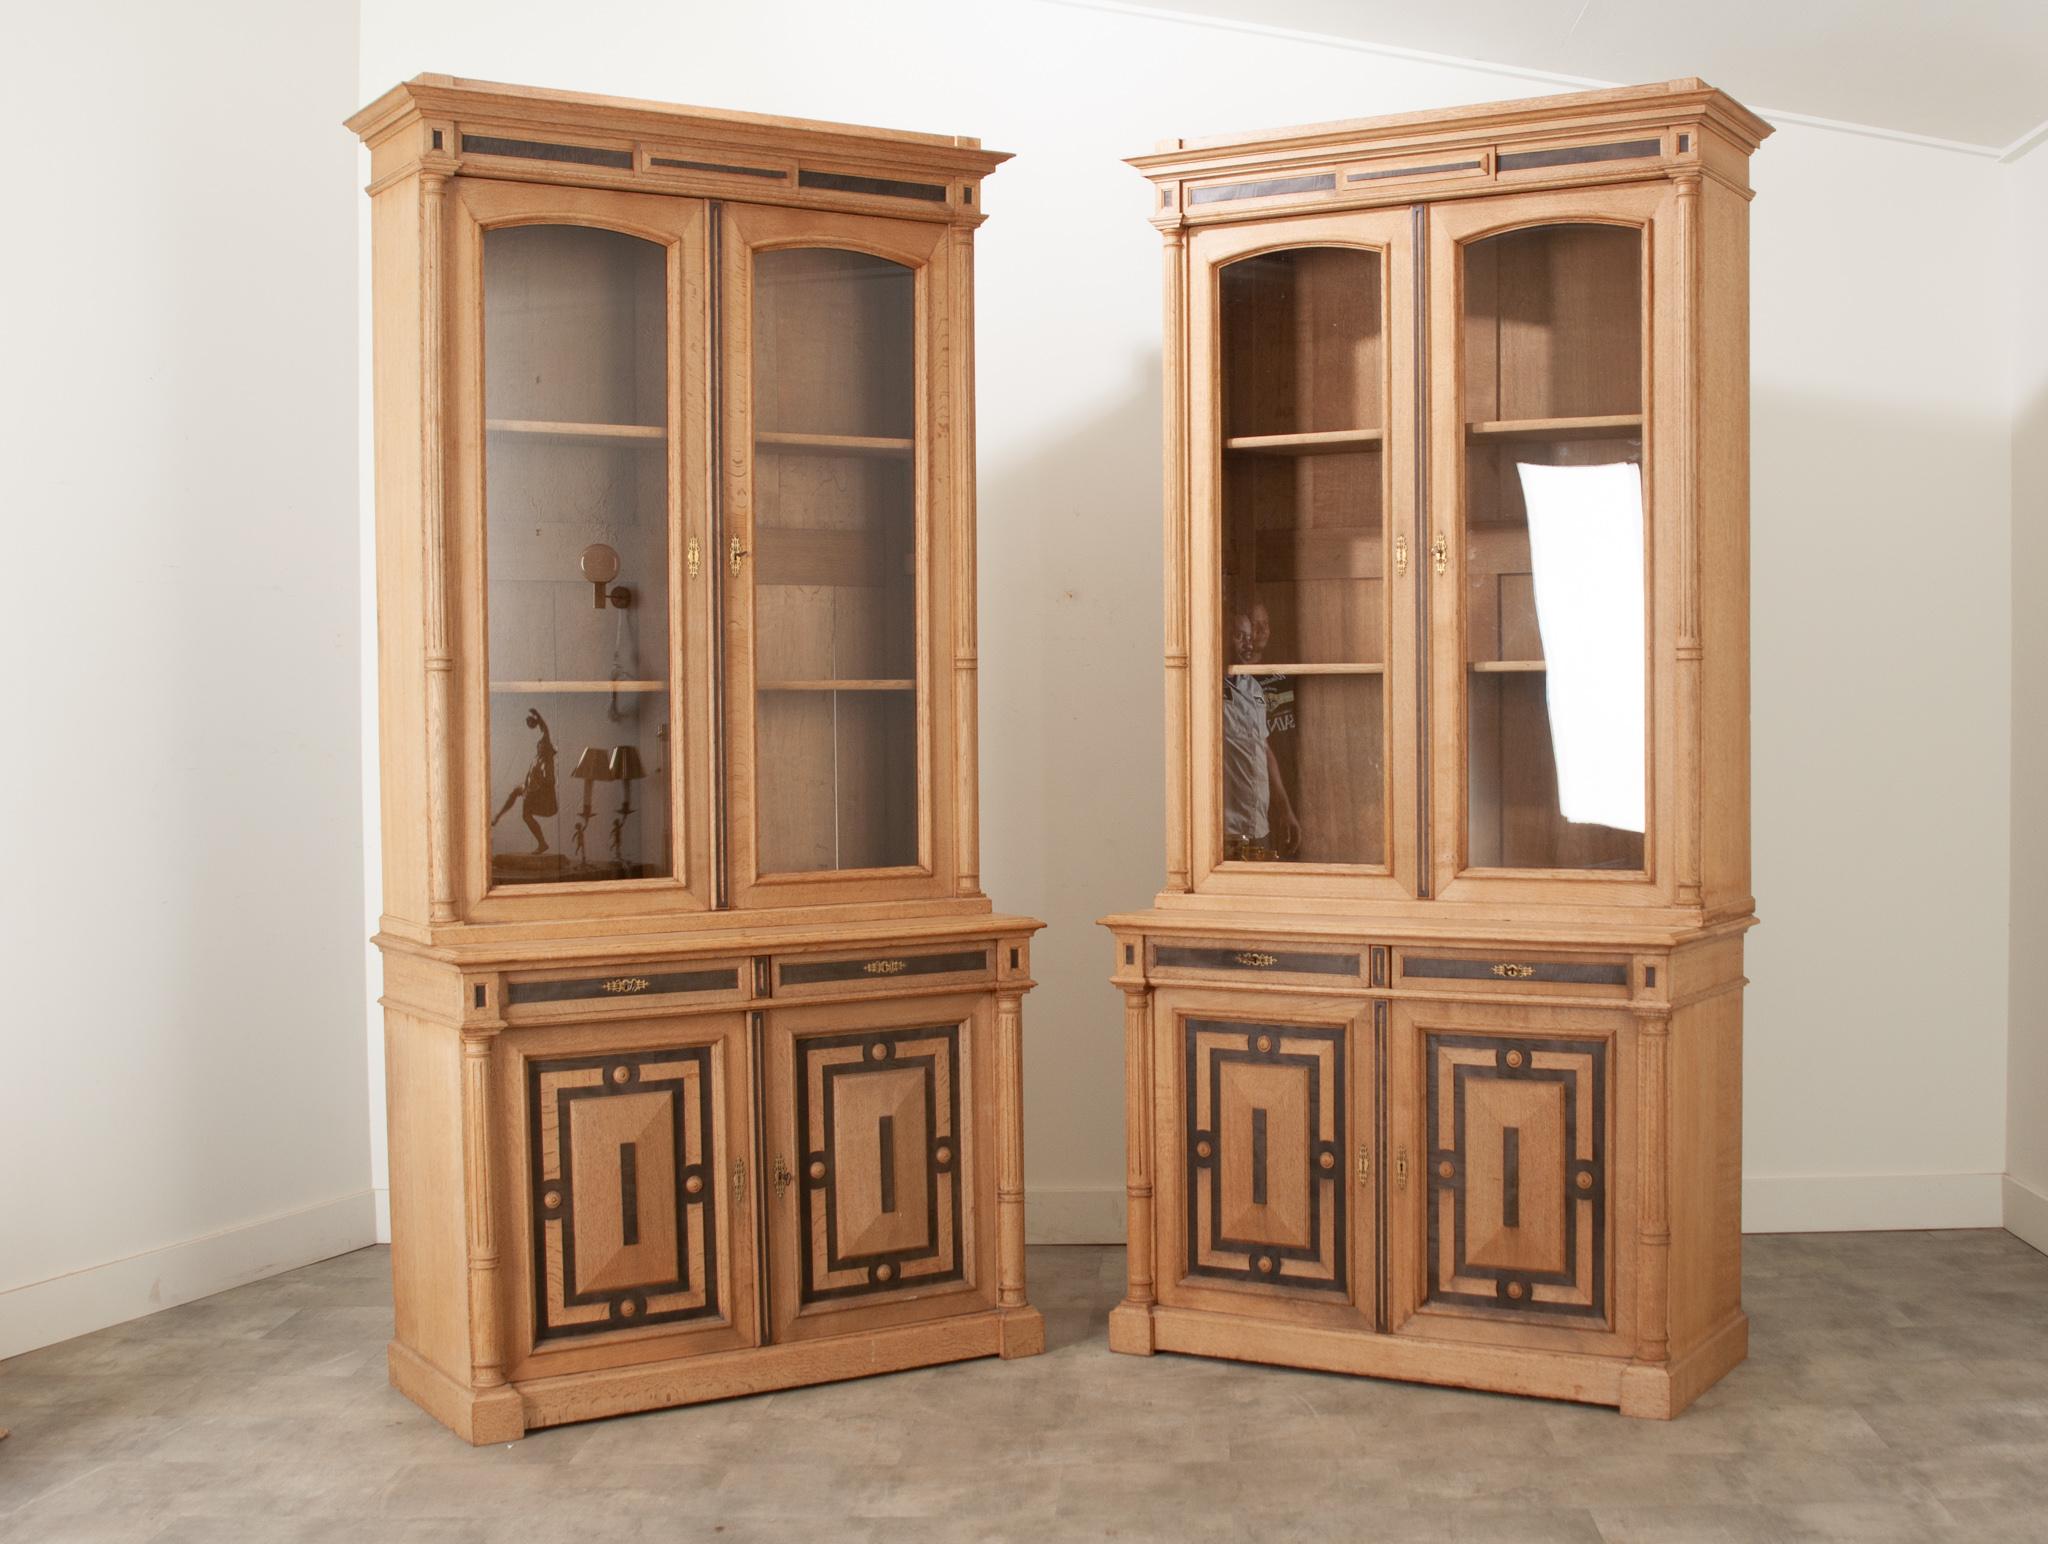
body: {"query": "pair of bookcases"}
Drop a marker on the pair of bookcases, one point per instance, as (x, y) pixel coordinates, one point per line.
(704, 1045)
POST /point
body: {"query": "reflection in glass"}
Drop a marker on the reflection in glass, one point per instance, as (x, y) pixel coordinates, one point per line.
(1302, 366)
(1555, 603)
(576, 529)
(835, 539)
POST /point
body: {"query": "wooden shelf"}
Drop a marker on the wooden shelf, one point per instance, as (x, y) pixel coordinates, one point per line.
(833, 444)
(1331, 442)
(579, 686)
(579, 434)
(1264, 669)
(1507, 666)
(836, 686)
(1609, 427)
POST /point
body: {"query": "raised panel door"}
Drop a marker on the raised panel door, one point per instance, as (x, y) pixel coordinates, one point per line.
(1510, 1175)
(1265, 1190)
(634, 1209)
(876, 1164)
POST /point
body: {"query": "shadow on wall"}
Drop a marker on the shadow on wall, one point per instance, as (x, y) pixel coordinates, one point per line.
(1071, 751)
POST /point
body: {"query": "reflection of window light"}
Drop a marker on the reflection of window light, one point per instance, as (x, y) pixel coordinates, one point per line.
(1586, 552)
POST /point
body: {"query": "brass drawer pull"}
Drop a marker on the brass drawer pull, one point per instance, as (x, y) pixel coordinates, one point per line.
(621, 986)
(1515, 972)
(884, 967)
(1256, 960)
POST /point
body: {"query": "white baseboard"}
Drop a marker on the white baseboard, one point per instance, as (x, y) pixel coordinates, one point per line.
(79, 1302)
(1092, 1214)
(383, 1200)
(2026, 1213)
(1771, 1203)
(1867, 1203)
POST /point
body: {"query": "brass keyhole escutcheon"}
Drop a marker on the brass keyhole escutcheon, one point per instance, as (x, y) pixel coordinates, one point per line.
(1401, 1168)
(734, 554)
(693, 557)
(783, 1178)
(1364, 1164)
(1401, 557)
(1440, 554)
(739, 1182)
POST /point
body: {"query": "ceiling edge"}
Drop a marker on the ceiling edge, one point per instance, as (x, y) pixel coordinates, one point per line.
(1163, 13)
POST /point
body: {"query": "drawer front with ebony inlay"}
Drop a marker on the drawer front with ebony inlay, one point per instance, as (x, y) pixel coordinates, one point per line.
(558, 994)
(1333, 965)
(1265, 1157)
(1514, 1156)
(1436, 970)
(629, 1201)
(926, 965)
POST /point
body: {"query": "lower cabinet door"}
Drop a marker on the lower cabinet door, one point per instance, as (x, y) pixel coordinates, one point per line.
(1265, 1154)
(1510, 1130)
(630, 1200)
(881, 1179)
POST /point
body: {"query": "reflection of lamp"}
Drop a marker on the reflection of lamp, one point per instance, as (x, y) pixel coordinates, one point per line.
(593, 766)
(625, 768)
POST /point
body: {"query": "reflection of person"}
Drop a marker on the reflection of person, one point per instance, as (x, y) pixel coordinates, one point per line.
(535, 794)
(1258, 816)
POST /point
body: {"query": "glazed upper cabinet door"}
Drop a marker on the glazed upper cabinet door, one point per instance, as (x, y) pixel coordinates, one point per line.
(635, 1211)
(1266, 1203)
(831, 461)
(1301, 481)
(577, 472)
(1553, 406)
(877, 1174)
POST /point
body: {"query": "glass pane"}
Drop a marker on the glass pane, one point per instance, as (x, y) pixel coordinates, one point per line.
(835, 564)
(1304, 603)
(1555, 599)
(576, 515)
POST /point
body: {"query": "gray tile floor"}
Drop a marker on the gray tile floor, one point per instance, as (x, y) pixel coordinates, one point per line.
(1897, 1389)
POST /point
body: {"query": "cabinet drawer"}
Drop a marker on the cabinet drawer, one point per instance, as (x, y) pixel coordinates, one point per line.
(1513, 970)
(1216, 960)
(582, 990)
(800, 975)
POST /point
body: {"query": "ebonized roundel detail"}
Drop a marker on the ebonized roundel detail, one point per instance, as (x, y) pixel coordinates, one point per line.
(625, 1201)
(1517, 1174)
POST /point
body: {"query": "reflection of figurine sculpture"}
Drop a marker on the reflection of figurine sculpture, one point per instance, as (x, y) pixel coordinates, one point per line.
(1258, 817)
(535, 794)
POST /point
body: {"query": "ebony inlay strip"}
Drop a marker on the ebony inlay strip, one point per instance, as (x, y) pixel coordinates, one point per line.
(1270, 187)
(767, 173)
(886, 1141)
(887, 187)
(1254, 960)
(629, 1194)
(1511, 1176)
(1376, 173)
(627, 984)
(1258, 1157)
(1572, 155)
(540, 150)
(1565, 971)
(884, 967)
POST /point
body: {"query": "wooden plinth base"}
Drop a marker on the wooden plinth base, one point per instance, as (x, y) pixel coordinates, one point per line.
(1650, 1390)
(507, 1412)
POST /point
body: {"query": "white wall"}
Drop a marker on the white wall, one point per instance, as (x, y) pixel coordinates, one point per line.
(1877, 1021)
(2025, 239)
(182, 1104)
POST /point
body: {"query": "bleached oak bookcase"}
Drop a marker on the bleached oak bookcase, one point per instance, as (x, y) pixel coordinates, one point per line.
(702, 1042)
(1434, 1035)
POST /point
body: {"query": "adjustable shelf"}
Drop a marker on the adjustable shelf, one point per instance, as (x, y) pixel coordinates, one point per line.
(1507, 666)
(637, 435)
(579, 686)
(833, 444)
(1329, 442)
(837, 686)
(1609, 426)
(1264, 669)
